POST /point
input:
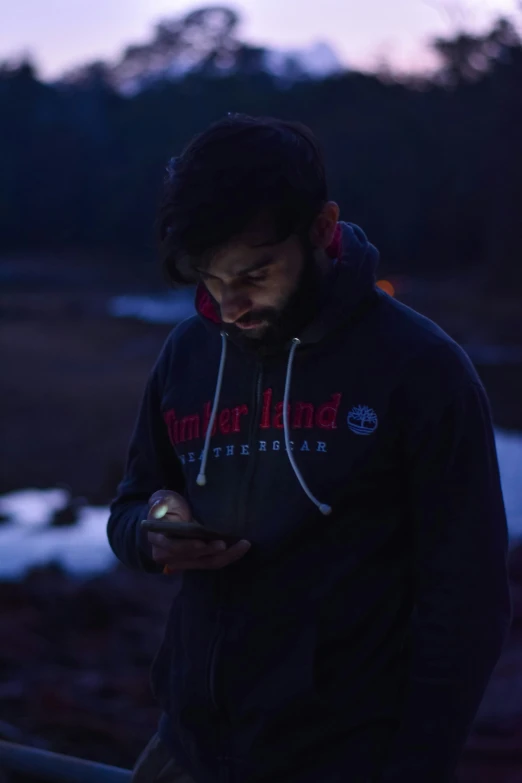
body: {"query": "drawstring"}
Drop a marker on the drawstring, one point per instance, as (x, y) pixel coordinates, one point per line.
(323, 508)
(202, 478)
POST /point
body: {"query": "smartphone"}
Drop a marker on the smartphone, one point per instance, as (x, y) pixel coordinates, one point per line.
(187, 530)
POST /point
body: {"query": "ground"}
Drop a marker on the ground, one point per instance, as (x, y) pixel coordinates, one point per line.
(70, 392)
(75, 658)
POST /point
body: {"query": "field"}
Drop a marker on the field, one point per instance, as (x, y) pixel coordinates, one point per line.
(75, 660)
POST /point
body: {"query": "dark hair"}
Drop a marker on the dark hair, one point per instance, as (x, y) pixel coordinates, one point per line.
(239, 170)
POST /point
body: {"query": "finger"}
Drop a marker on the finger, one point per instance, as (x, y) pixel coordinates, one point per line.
(222, 559)
(165, 558)
(162, 558)
(177, 547)
(162, 509)
(159, 495)
(166, 495)
(167, 502)
(182, 548)
(209, 562)
(158, 509)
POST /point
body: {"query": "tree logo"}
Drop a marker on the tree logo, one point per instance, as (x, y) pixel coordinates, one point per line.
(362, 420)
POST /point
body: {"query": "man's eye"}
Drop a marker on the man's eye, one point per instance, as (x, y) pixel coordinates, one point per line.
(257, 278)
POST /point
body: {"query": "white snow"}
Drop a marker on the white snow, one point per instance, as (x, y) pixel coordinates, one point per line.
(27, 539)
(170, 307)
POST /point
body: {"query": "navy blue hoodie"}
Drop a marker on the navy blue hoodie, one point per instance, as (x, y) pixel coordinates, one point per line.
(355, 639)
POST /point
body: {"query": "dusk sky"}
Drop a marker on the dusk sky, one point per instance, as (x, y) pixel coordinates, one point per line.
(60, 34)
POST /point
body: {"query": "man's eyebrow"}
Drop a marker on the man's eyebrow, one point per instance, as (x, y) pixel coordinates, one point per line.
(262, 263)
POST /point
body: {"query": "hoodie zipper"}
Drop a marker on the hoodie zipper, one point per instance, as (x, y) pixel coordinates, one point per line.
(222, 758)
(243, 495)
(211, 677)
(212, 658)
(256, 399)
(249, 473)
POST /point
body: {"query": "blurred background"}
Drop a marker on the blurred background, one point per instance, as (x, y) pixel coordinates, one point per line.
(419, 109)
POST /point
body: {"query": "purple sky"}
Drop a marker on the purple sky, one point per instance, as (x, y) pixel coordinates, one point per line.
(62, 33)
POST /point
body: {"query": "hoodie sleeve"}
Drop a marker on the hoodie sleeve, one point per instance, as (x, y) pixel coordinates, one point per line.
(151, 465)
(462, 602)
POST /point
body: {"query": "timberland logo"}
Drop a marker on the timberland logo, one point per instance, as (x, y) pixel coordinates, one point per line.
(301, 416)
(362, 420)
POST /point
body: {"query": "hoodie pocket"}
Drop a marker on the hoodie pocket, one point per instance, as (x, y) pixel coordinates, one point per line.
(268, 665)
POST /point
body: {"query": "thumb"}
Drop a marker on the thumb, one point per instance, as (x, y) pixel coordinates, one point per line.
(158, 509)
(167, 502)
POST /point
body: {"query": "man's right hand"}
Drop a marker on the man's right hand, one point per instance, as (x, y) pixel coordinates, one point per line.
(181, 555)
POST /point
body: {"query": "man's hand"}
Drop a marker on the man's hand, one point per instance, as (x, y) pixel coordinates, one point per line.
(181, 555)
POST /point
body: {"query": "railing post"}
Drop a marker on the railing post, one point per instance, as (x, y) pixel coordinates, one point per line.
(57, 768)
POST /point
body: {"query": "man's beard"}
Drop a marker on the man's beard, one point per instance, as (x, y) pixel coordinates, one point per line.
(287, 322)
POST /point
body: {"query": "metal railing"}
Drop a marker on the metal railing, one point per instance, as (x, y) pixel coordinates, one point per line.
(58, 768)
(55, 767)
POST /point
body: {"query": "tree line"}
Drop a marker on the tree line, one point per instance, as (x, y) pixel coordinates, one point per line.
(431, 168)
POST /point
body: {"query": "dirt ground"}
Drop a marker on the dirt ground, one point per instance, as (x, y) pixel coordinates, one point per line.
(75, 661)
(71, 391)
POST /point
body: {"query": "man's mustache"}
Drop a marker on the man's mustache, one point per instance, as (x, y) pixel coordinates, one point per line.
(254, 316)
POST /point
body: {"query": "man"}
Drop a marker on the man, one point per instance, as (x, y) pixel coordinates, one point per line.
(347, 442)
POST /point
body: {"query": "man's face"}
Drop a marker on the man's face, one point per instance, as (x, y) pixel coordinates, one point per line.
(263, 291)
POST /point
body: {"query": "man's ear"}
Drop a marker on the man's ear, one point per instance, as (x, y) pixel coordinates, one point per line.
(323, 228)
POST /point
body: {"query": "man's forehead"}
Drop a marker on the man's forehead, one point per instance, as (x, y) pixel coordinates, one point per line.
(240, 255)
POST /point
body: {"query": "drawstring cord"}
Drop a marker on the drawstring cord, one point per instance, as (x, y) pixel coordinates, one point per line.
(202, 478)
(323, 507)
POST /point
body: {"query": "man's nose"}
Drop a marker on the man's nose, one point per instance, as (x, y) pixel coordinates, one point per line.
(233, 306)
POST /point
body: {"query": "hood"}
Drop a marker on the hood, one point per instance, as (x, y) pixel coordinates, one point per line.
(349, 284)
(348, 291)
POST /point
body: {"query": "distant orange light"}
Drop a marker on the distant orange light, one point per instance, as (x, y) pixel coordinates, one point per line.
(386, 286)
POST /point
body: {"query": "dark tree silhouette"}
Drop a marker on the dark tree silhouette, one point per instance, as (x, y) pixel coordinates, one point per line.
(432, 169)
